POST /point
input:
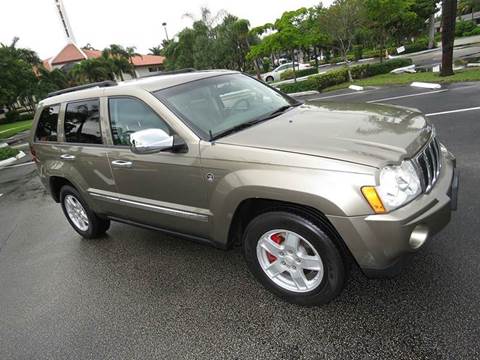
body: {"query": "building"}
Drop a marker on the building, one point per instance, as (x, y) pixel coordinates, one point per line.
(72, 54)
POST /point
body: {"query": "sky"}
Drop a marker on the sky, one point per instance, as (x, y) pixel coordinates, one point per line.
(129, 23)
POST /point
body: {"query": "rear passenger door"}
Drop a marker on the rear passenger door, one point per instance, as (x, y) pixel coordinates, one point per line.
(83, 154)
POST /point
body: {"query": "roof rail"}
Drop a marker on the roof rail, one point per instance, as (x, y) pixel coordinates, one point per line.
(105, 83)
(171, 72)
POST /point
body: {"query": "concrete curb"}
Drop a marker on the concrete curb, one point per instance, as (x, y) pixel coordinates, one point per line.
(356, 88)
(11, 160)
(305, 93)
(426, 85)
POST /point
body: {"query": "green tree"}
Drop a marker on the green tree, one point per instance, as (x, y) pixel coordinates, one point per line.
(314, 35)
(92, 70)
(341, 21)
(18, 82)
(155, 50)
(388, 18)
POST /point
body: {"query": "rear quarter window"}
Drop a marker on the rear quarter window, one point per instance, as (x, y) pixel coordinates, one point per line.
(47, 124)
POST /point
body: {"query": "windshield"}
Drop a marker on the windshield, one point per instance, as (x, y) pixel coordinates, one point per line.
(214, 105)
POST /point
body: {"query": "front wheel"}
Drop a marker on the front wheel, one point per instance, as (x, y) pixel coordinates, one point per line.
(294, 258)
(80, 216)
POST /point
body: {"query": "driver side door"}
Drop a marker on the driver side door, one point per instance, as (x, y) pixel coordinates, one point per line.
(164, 189)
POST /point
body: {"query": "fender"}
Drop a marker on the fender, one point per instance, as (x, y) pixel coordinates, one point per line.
(331, 192)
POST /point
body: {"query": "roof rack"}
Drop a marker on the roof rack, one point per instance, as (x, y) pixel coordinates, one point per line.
(106, 83)
(171, 72)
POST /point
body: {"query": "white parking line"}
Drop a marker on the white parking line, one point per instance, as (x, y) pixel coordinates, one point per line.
(405, 96)
(334, 96)
(18, 165)
(453, 111)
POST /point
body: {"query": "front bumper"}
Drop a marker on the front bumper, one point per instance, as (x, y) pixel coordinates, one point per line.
(379, 242)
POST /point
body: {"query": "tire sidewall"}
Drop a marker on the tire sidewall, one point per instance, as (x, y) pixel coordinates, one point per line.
(334, 269)
(68, 190)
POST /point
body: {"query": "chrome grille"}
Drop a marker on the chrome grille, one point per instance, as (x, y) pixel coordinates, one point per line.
(428, 162)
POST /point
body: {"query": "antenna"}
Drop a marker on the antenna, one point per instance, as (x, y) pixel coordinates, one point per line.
(62, 13)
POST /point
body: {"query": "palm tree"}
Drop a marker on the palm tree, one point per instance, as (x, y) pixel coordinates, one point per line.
(121, 59)
(155, 50)
(91, 70)
(207, 18)
(131, 53)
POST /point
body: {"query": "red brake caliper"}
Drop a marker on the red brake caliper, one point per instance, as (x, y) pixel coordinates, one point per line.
(277, 238)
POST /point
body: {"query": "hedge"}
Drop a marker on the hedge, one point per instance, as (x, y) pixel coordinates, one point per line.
(288, 74)
(335, 77)
(464, 28)
(475, 31)
(14, 116)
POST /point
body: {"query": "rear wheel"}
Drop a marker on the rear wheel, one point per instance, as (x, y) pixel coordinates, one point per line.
(294, 258)
(80, 216)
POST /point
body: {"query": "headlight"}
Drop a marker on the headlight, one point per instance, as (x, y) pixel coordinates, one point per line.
(399, 184)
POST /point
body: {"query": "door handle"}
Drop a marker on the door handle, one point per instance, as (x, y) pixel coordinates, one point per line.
(67, 157)
(122, 163)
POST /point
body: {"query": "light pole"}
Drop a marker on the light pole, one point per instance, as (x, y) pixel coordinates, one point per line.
(165, 27)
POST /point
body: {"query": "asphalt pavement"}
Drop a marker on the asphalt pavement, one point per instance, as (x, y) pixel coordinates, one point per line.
(138, 294)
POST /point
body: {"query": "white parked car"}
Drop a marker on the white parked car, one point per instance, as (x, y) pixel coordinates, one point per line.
(274, 75)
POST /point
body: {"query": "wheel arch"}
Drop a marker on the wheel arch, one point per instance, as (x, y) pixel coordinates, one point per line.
(56, 183)
(250, 208)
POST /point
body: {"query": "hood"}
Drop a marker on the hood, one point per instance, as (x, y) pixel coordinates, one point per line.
(368, 134)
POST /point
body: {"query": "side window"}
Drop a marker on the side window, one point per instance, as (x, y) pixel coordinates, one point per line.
(128, 115)
(47, 124)
(82, 122)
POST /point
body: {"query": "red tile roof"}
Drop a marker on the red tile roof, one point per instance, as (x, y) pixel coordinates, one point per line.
(69, 53)
(92, 53)
(146, 60)
(72, 53)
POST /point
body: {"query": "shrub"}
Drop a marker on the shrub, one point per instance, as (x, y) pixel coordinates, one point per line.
(462, 28)
(335, 77)
(12, 116)
(475, 31)
(418, 45)
(288, 74)
(7, 152)
(305, 85)
(338, 59)
(357, 52)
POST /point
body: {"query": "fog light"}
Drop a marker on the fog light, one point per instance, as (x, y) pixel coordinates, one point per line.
(418, 237)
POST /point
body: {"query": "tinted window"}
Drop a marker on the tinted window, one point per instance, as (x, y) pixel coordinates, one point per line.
(47, 124)
(82, 122)
(129, 115)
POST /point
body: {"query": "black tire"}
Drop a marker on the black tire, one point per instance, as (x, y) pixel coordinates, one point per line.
(269, 79)
(335, 271)
(97, 226)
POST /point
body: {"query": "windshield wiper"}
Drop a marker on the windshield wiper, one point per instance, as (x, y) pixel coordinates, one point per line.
(244, 125)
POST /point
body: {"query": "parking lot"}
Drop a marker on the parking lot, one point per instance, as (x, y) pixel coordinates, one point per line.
(138, 294)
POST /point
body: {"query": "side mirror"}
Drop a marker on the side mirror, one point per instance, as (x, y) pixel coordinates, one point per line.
(150, 141)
